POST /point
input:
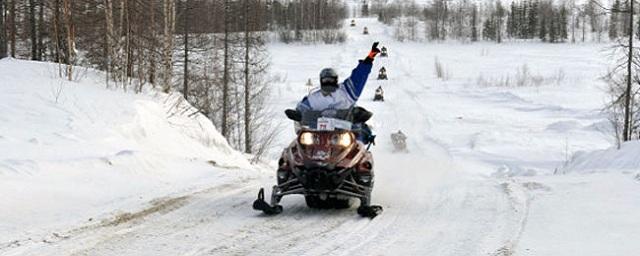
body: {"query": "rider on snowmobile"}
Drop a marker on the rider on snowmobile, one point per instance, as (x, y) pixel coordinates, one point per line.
(341, 96)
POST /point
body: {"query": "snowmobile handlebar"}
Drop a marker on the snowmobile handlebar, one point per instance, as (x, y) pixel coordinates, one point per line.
(357, 115)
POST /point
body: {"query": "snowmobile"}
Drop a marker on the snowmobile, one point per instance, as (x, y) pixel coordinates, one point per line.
(382, 74)
(365, 31)
(353, 23)
(399, 141)
(325, 163)
(379, 96)
(383, 52)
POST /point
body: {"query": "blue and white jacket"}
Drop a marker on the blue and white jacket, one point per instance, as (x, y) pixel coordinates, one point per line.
(344, 97)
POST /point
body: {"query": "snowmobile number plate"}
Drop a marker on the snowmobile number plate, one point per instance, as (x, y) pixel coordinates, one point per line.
(330, 124)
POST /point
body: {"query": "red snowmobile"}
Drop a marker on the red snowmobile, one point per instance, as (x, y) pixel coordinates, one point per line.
(326, 163)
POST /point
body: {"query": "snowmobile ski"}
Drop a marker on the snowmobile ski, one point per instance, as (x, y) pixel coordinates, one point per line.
(261, 205)
(369, 211)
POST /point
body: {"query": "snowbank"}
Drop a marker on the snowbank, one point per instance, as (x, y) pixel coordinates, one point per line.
(74, 151)
(627, 158)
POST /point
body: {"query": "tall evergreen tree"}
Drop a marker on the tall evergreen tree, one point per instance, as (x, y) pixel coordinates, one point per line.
(474, 23)
(624, 20)
(532, 19)
(613, 20)
(500, 13)
(543, 29)
(563, 23)
(553, 27)
(512, 24)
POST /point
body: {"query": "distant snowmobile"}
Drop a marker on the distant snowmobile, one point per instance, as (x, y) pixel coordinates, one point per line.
(379, 96)
(382, 74)
(325, 163)
(399, 141)
(383, 52)
(365, 31)
(353, 23)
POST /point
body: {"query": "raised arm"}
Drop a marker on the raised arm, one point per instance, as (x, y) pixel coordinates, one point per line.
(354, 84)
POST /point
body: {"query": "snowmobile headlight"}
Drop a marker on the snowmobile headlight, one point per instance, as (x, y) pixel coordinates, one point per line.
(345, 139)
(306, 138)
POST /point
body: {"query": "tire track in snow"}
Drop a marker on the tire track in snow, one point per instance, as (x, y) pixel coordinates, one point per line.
(520, 201)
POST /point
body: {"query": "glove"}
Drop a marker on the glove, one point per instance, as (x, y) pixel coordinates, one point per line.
(374, 50)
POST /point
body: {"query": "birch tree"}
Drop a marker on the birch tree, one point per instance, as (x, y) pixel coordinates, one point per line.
(167, 53)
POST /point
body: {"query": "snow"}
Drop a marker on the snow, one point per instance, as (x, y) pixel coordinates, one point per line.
(625, 159)
(492, 169)
(70, 150)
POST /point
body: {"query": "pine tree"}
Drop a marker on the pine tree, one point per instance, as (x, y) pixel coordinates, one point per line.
(488, 29)
(563, 23)
(613, 20)
(543, 29)
(512, 21)
(500, 13)
(474, 23)
(625, 20)
(553, 27)
(533, 19)
(365, 9)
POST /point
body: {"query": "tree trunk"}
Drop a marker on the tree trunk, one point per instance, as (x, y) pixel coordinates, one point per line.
(226, 72)
(584, 27)
(12, 26)
(68, 20)
(41, 50)
(167, 56)
(32, 30)
(128, 49)
(153, 46)
(247, 83)
(3, 31)
(109, 42)
(185, 35)
(56, 34)
(626, 132)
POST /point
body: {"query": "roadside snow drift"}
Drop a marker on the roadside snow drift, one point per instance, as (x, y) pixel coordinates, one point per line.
(74, 151)
(627, 158)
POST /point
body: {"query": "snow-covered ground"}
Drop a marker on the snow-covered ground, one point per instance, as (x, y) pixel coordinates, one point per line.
(492, 168)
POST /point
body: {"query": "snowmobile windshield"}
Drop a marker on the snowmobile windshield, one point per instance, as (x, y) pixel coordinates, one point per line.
(327, 120)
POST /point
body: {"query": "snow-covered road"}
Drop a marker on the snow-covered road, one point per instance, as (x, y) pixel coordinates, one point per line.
(451, 194)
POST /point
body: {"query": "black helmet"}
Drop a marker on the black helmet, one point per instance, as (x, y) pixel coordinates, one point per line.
(328, 80)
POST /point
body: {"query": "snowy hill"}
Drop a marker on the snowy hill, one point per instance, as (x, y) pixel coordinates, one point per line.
(73, 151)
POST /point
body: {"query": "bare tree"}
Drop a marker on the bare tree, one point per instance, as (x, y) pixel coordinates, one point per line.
(70, 35)
(167, 53)
(185, 35)
(247, 82)
(226, 76)
(3, 30)
(622, 78)
(628, 115)
(32, 30)
(13, 27)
